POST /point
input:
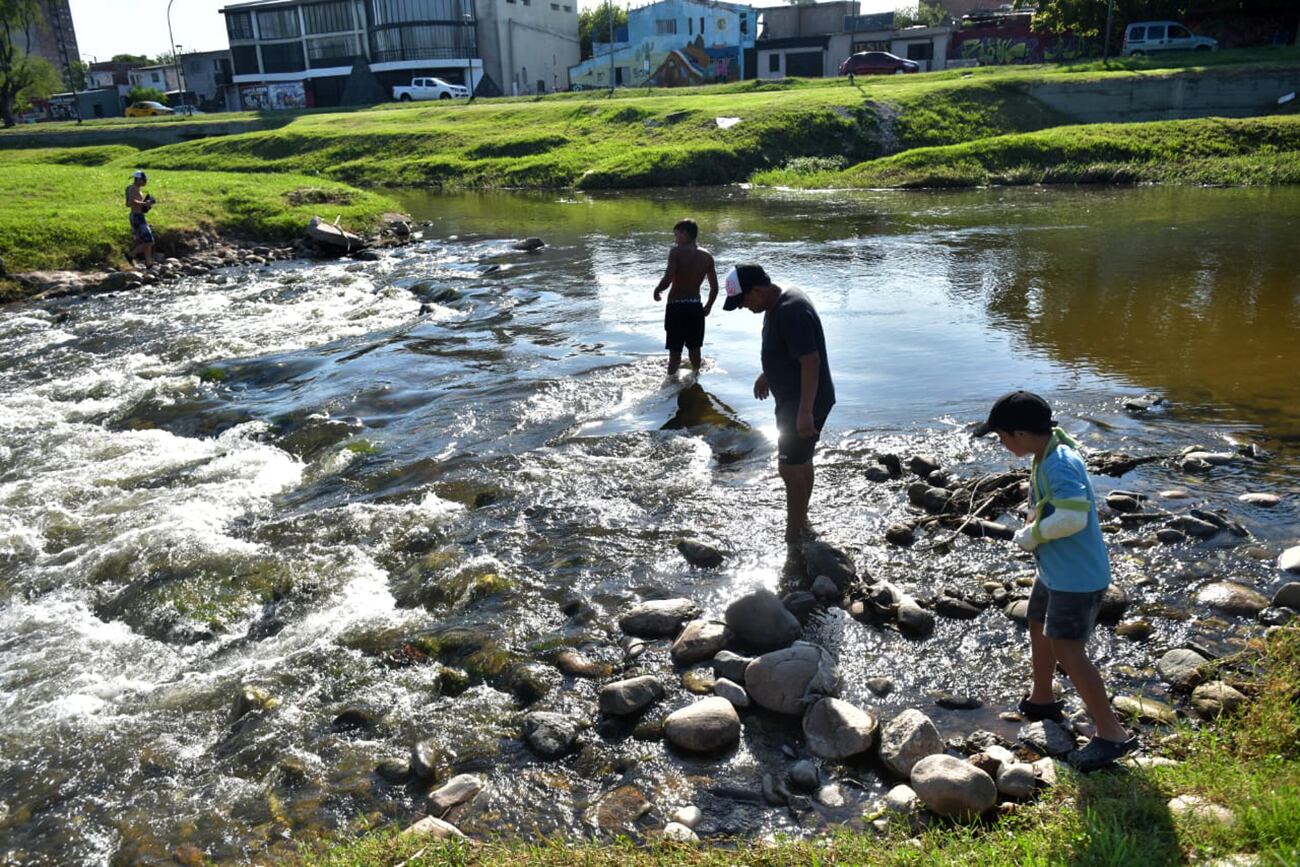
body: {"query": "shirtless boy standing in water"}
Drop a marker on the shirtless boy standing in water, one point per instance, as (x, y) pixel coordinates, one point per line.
(688, 265)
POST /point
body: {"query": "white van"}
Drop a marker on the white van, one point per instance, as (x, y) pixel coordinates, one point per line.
(1143, 37)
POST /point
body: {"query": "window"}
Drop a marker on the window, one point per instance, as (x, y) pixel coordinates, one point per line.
(690, 26)
(744, 24)
(154, 75)
(920, 51)
(568, 8)
(422, 42)
(283, 57)
(722, 24)
(1137, 34)
(555, 7)
(774, 63)
(665, 27)
(1156, 31)
(327, 17)
(277, 23)
(1176, 32)
(245, 58)
(410, 11)
(239, 25)
(331, 51)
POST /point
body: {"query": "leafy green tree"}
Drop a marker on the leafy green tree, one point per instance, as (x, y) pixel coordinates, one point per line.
(596, 20)
(78, 76)
(45, 81)
(145, 94)
(927, 14)
(18, 68)
(132, 58)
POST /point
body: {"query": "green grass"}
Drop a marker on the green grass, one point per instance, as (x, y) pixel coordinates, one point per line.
(1249, 151)
(72, 156)
(1250, 764)
(65, 216)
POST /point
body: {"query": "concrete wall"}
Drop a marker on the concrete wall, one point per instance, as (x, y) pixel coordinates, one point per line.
(810, 20)
(1185, 96)
(524, 44)
(149, 135)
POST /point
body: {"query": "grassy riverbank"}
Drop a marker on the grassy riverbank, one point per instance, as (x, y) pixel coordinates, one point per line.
(59, 216)
(1249, 764)
(1217, 151)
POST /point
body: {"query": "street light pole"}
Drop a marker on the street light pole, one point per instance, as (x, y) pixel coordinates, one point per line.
(1110, 11)
(609, 6)
(469, 56)
(180, 70)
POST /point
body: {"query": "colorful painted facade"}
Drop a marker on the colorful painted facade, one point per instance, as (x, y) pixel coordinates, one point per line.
(673, 43)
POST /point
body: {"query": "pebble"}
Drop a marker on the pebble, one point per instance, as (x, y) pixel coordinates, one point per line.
(1289, 560)
(631, 695)
(1175, 494)
(457, 790)
(881, 686)
(830, 795)
(689, 816)
(1267, 501)
(1018, 611)
(432, 826)
(1181, 667)
(731, 691)
(699, 640)
(679, 833)
(1135, 630)
(575, 664)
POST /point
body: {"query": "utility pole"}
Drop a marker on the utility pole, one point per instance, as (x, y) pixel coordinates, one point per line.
(469, 56)
(56, 20)
(1110, 12)
(610, 6)
(180, 70)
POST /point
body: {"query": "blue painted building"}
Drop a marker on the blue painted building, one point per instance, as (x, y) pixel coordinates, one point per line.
(673, 43)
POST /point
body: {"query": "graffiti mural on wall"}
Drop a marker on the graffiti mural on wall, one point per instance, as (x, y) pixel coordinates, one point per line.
(1031, 48)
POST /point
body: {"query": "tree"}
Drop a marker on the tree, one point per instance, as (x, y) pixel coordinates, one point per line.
(926, 14)
(138, 59)
(45, 81)
(596, 21)
(78, 76)
(18, 20)
(145, 94)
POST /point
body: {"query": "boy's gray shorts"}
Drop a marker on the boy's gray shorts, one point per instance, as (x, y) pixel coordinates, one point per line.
(1064, 615)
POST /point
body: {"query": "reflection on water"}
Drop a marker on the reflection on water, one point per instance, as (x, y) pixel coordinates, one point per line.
(396, 488)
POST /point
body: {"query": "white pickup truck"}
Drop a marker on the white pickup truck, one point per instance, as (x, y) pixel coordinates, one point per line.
(430, 88)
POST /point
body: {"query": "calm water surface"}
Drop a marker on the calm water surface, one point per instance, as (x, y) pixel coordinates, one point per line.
(377, 485)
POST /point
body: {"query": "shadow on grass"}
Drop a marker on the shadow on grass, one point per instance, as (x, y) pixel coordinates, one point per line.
(1126, 822)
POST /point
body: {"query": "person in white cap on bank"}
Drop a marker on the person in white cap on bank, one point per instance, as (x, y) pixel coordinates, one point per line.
(141, 233)
(796, 374)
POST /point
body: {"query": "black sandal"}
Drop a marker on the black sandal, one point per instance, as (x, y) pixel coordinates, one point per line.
(1034, 711)
(1100, 753)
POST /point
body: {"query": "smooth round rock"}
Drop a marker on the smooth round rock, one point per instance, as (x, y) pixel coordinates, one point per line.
(1048, 738)
(900, 534)
(430, 759)
(901, 799)
(1135, 630)
(699, 640)
(906, 739)
(1263, 500)
(914, 619)
(731, 666)
(458, 790)
(658, 618)
(1289, 560)
(1016, 780)
(953, 788)
(709, 724)
(1144, 709)
(830, 795)
(788, 680)
(825, 590)
(1181, 667)
(574, 664)
(836, 730)
(1201, 809)
(699, 554)
(1018, 611)
(1113, 605)
(629, 696)
(679, 833)
(689, 816)
(1229, 597)
(1288, 596)
(1175, 494)
(731, 691)
(434, 828)
(804, 776)
(760, 621)
(1213, 699)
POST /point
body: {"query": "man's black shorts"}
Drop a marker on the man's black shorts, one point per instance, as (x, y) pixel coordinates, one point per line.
(792, 448)
(684, 323)
(1064, 615)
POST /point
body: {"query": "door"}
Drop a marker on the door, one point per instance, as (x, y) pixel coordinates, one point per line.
(805, 64)
(1155, 37)
(1178, 38)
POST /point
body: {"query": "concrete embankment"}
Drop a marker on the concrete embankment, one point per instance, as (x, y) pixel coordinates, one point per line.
(1183, 96)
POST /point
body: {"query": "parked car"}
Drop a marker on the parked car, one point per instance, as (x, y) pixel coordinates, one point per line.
(877, 63)
(146, 109)
(1142, 37)
(430, 88)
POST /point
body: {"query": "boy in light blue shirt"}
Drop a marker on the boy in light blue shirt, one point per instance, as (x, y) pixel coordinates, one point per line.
(1073, 571)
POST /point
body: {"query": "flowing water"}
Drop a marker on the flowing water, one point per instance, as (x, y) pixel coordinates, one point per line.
(400, 485)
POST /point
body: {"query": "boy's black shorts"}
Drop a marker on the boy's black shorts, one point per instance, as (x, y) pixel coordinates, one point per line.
(1064, 615)
(792, 448)
(684, 324)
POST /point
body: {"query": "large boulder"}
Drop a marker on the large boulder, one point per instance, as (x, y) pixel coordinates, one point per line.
(698, 641)
(789, 679)
(953, 788)
(906, 739)
(1181, 667)
(1229, 597)
(629, 696)
(551, 735)
(836, 729)
(760, 621)
(708, 725)
(659, 618)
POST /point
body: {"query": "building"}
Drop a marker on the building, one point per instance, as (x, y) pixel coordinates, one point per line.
(54, 37)
(674, 42)
(209, 78)
(159, 76)
(812, 41)
(95, 102)
(305, 52)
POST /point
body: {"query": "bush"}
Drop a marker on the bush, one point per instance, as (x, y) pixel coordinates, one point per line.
(145, 94)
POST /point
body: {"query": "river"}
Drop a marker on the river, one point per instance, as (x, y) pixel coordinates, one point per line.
(378, 485)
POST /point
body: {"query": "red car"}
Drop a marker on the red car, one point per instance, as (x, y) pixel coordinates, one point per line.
(877, 63)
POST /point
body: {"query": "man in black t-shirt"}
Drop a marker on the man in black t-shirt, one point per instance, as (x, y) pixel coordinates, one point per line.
(797, 375)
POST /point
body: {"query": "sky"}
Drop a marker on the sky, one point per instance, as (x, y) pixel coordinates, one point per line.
(108, 27)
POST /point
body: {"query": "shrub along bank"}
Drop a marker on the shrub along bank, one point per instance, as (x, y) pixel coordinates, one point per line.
(1248, 764)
